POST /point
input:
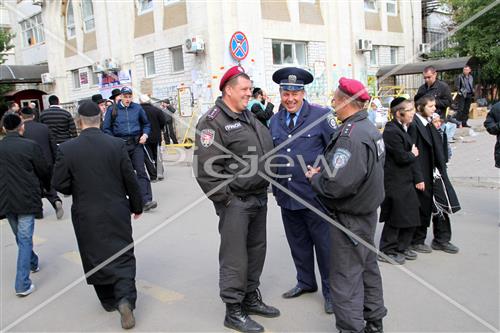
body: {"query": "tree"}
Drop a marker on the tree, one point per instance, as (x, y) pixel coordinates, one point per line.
(479, 38)
(5, 45)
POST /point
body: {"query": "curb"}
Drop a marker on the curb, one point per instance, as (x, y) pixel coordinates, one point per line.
(490, 182)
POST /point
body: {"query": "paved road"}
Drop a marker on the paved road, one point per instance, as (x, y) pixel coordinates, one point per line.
(176, 248)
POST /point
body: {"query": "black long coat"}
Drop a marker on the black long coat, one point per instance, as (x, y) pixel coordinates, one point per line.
(400, 206)
(426, 139)
(157, 120)
(40, 133)
(96, 170)
(23, 172)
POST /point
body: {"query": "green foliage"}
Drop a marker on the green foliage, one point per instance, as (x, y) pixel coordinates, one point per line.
(5, 43)
(479, 38)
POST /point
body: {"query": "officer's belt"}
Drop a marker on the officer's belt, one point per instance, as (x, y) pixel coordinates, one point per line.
(130, 140)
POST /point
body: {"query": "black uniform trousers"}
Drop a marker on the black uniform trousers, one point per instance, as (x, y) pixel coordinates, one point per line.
(242, 228)
(307, 233)
(111, 294)
(441, 228)
(136, 154)
(355, 281)
(464, 103)
(394, 239)
(170, 133)
(151, 158)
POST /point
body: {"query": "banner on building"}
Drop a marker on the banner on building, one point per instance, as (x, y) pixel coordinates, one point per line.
(114, 80)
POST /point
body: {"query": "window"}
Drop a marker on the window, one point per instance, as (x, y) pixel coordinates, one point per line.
(285, 53)
(374, 56)
(32, 30)
(94, 79)
(76, 79)
(394, 55)
(177, 59)
(392, 7)
(149, 64)
(88, 15)
(144, 6)
(371, 5)
(70, 21)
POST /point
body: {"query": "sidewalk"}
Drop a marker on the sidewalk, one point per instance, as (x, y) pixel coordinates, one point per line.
(473, 162)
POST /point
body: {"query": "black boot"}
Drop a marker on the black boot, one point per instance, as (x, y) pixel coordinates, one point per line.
(253, 304)
(237, 319)
(374, 326)
(126, 313)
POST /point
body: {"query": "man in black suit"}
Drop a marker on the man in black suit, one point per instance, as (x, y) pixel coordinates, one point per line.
(430, 158)
(399, 210)
(157, 120)
(40, 133)
(96, 170)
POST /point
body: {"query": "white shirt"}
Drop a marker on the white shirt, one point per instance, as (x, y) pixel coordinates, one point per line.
(422, 119)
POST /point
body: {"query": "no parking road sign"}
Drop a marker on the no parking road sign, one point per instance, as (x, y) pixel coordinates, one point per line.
(238, 46)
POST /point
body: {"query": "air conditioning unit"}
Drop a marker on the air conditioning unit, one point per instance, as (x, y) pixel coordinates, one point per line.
(97, 67)
(37, 2)
(47, 78)
(364, 45)
(194, 45)
(111, 64)
(424, 48)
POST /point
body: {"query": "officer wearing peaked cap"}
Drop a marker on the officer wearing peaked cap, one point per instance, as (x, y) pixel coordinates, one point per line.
(301, 130)
(229, 140)
(352, 188)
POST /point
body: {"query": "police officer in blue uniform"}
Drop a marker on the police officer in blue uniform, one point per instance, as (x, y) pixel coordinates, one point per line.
(352, 188)
(301, 131)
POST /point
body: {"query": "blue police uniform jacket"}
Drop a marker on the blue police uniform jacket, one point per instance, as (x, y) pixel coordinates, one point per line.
(130, 121)
(313, 130)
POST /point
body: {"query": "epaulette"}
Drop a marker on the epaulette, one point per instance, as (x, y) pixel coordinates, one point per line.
(213, 112)
(346, 131)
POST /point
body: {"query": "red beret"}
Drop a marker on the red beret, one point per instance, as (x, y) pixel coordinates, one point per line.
(354, 87)
(231, 72)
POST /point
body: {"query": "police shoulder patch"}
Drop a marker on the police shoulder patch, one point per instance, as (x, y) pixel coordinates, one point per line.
(340, 158)
(212, 113)
(332, 121)
(207, 137)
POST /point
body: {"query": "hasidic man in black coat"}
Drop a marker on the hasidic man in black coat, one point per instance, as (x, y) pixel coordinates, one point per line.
(40, 133)
(431, 156)
(492, 125)
(23, 173)
(96, 170)
(399, 210)
(157, 120)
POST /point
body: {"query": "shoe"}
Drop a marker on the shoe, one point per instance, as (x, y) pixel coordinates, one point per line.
(27, 292)
(59, 210)
(297, 291)
(36, 269)
(127, 314)
(409, 254)
(420, 248)
(39, 216)
(466, 125)
(253, 304)
(237, 319)
(109, 307)
(374, 326)
(396, 258)
(328, 305)
(150, 205)
(446, 247)
(154, 180)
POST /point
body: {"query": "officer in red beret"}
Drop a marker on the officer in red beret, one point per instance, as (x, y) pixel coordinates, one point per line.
(231, 146)
(351, 187)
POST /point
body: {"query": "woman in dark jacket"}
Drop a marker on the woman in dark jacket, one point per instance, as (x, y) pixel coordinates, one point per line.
(399, 210)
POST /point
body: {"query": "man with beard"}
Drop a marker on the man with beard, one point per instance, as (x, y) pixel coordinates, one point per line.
(96, 170)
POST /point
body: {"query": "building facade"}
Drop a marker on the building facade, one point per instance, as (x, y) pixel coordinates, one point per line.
(94, 46)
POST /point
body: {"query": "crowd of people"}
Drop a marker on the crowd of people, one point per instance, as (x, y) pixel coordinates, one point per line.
(329, 173)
